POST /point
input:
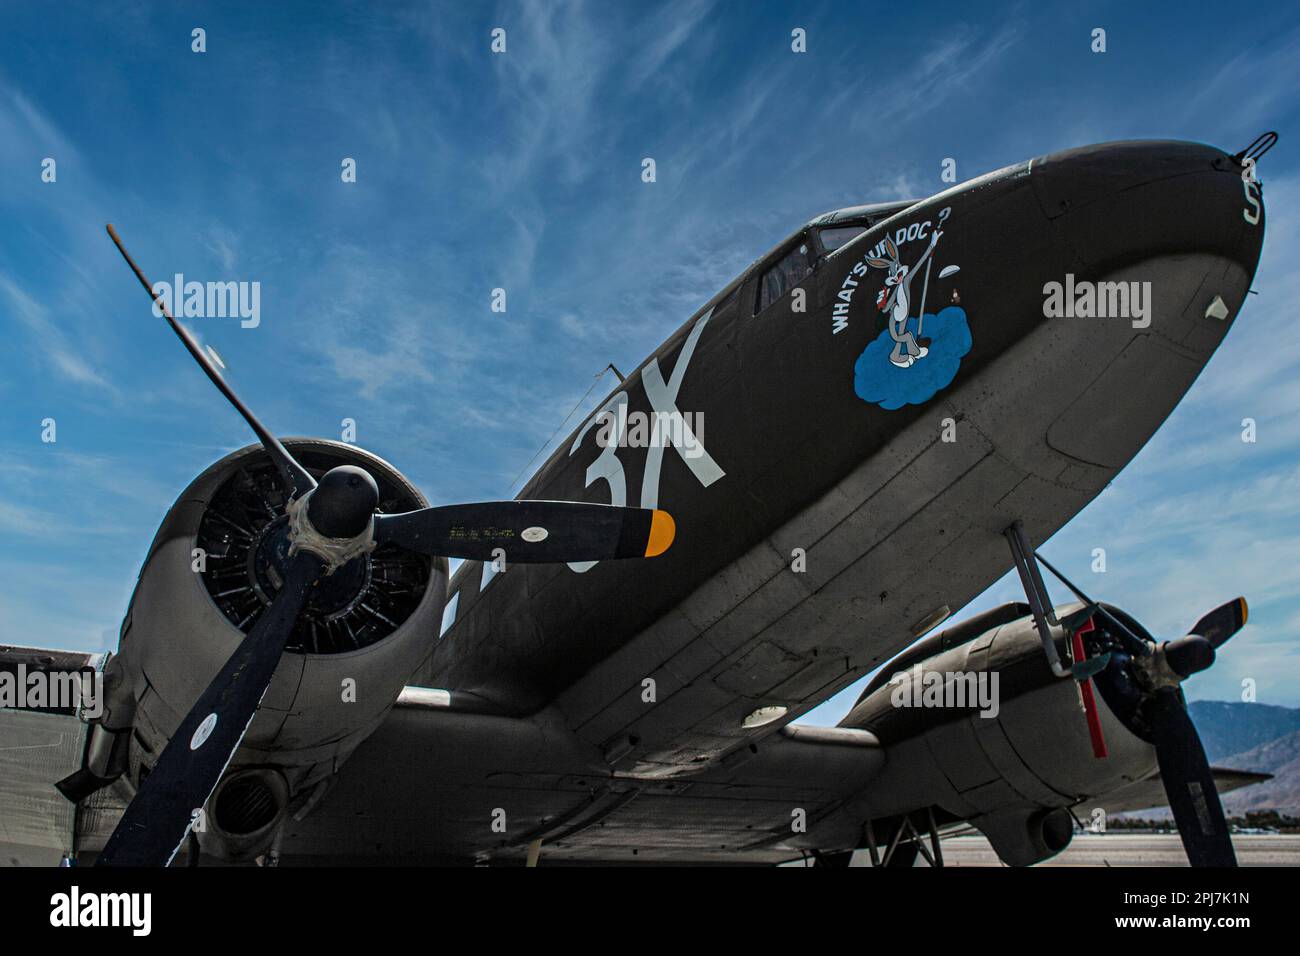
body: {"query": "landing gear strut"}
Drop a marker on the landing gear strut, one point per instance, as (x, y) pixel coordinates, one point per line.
(1040, 605)
(900, 853)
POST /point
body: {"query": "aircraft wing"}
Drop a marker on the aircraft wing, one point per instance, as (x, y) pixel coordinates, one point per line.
(437, 784)
(434, 784)
(426, 786)
(430, 784)
(1149, 793)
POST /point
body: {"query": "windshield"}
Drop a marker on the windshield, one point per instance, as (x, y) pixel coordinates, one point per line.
(835, 236)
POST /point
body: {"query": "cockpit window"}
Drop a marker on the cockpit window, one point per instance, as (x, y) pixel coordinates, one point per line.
(835, 236)
(792, 269)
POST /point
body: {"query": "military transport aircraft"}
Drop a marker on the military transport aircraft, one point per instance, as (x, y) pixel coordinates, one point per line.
(900, 398)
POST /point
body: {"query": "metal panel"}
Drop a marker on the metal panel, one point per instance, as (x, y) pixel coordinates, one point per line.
(36, 821)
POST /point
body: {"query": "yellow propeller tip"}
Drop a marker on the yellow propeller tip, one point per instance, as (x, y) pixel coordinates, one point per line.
(662, 531)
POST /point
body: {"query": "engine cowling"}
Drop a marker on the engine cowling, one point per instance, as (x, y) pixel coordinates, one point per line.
(973, 722)
(206, 579)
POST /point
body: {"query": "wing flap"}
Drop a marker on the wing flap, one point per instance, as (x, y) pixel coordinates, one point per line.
(36, 749)
(42, 740)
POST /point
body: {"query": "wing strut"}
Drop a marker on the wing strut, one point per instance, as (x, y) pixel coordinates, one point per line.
(1040, 603)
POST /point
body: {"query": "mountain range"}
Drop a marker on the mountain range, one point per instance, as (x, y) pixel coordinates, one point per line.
(1247, 736)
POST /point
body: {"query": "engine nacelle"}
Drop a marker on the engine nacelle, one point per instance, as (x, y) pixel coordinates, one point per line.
(206, 580)
(974, 722)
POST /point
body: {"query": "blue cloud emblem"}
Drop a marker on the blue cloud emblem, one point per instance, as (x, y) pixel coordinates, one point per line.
(879, 381)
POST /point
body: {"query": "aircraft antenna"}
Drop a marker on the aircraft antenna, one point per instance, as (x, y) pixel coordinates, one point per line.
(577, 405)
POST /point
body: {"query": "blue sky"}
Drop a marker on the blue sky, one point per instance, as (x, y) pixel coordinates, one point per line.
(522, 171)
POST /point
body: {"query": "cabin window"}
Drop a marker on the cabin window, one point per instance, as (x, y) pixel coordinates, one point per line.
(489, 573)
(835, 236)
(788, 272)
(449, 613)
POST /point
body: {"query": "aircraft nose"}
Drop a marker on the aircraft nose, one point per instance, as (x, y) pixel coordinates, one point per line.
(1072, 179)
(1120, 202)
(1177, 229)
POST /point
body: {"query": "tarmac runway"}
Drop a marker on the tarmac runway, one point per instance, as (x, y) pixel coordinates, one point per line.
(1131, 849)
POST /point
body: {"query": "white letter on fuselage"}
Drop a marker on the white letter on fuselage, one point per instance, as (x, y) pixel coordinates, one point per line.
(606, 465)
(663, 399)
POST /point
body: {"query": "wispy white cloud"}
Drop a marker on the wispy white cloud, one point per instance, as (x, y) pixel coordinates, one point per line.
(670, 28)
(1249, 82)
(49, 341)
(964, 52)
(522, 171)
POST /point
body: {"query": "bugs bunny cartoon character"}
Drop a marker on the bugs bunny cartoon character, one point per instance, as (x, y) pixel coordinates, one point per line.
(894, 299)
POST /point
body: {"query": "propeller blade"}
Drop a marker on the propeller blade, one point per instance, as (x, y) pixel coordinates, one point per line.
(296, 478)
(162, 812)
(530, 531)
(1185, 772)
(1223, 622)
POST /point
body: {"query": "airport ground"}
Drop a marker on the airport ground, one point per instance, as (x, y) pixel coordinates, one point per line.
(1133, 849)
